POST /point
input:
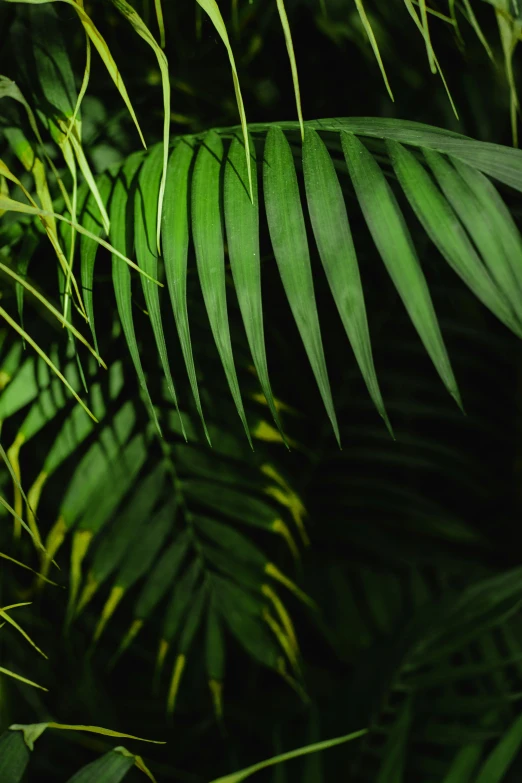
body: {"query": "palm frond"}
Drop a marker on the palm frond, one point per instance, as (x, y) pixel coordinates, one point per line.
(216, 179)
(452, 656)
(162, 513)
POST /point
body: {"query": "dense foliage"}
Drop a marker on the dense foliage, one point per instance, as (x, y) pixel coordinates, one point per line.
(259, 390)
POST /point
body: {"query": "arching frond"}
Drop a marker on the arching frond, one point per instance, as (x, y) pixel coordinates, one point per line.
(443, 176)
(186, 526)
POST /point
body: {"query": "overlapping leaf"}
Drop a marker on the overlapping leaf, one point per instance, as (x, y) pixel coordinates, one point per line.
(442, 214)
(184, 551)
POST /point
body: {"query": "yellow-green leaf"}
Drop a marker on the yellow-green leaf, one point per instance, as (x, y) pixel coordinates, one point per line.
(237, 777)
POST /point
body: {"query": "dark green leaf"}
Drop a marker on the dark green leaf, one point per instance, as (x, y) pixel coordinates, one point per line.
(110, 768)
(14, 756)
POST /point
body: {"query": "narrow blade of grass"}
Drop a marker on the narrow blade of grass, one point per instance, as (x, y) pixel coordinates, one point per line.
(47, 360)
(478, 30)
(293, 65)
(17, 206)
(161, 23)
(102, 48)
(143, 31)
(237, 777)
(20, 281)
(212, 9)
(422, 30)
(19, 677)
(373, 42)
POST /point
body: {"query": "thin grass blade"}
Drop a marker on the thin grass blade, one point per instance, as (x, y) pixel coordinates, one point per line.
(17, 206)
(237, 777)
(478, 30)
(24, 284)
(431, 53)
(47, 360)
(212, 9)
(373, 43)
(161, 24)
(293, 65)
(143, 31)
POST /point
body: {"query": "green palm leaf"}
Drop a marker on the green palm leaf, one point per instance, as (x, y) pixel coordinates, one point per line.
(335, 244)
(290, 244)
(175, 240)
(145, 222)
(121, 220)
(208, 243)
(447, 232)
(390, 234)
(242, 225)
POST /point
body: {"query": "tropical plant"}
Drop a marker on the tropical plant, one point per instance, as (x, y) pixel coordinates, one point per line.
(213, 529)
